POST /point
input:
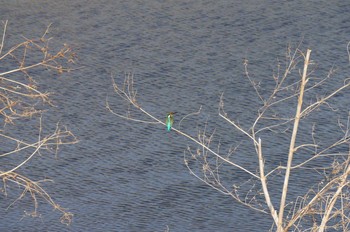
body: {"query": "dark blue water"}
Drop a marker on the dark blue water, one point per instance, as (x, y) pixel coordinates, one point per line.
(127, 176)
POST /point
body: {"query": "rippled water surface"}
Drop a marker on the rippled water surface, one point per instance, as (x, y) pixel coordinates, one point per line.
(126, 176)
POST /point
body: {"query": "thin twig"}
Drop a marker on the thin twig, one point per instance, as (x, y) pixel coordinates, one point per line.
(3, 36)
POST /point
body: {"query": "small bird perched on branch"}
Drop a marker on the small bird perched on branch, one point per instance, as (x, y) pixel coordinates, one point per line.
(169, 120)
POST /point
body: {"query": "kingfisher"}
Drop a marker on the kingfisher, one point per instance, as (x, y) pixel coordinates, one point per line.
(169, 120)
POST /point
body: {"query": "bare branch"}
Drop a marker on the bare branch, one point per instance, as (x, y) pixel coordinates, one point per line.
(292, 142)
(127, 93)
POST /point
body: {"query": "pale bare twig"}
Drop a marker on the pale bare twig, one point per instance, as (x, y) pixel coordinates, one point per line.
(3, 36)
(191, 114)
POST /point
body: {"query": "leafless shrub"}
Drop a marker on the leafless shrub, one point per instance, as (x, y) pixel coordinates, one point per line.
(325, 205)
(22, 101)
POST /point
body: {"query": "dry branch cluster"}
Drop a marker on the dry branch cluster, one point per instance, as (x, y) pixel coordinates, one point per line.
(22, 101)
(326, 204)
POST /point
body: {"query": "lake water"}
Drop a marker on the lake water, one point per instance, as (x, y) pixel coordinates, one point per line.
(127, 176)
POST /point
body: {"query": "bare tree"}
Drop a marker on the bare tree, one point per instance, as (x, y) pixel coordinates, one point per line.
(326, 204)
(21, 102)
